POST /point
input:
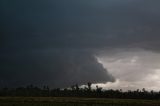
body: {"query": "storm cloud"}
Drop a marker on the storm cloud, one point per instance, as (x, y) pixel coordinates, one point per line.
(56, 42)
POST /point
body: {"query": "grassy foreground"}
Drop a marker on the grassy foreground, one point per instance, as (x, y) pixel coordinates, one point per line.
(69, 101)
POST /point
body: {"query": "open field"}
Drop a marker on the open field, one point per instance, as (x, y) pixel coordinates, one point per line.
(68, 101)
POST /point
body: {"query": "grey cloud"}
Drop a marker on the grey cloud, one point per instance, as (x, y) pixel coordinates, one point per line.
(85, 24)
(32, 31)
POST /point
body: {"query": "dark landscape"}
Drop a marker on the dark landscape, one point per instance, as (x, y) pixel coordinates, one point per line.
(73, 101)
(75, 96)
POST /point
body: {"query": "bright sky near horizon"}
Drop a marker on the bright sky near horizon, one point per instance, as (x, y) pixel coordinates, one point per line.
(133, 69)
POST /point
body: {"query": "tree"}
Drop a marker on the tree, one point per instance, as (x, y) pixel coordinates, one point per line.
(77, 87)
(89, 86)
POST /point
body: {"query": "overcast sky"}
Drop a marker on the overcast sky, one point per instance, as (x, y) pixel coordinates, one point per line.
(64, 42)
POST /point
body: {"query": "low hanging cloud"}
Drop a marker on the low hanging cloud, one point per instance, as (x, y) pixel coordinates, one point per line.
(57, 68)
(57, 42)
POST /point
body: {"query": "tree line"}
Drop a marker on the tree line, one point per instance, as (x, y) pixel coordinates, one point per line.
(76, 91)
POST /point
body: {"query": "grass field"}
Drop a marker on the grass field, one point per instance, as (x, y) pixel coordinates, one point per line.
(68, 101)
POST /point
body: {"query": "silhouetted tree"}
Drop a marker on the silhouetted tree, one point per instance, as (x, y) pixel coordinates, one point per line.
(87, 91)
(77, 87)
(89, 86)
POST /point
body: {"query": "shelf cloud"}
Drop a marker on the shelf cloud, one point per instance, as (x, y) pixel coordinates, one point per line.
(57, 42)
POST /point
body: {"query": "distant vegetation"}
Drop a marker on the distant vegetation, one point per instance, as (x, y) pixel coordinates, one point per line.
(76, 91)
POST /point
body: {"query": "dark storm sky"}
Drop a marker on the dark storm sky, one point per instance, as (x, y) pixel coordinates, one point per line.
(56, 42)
